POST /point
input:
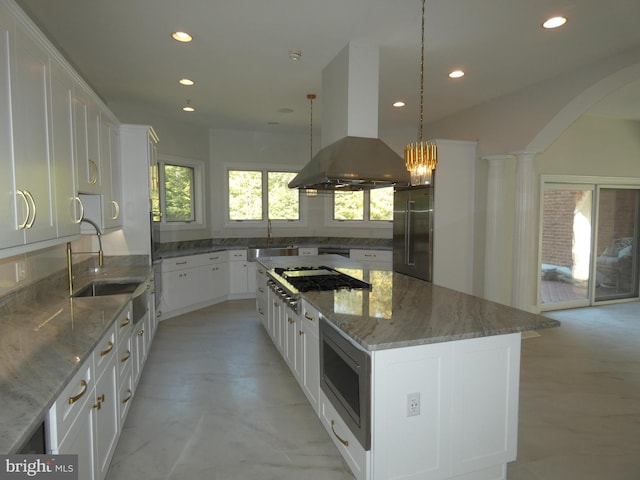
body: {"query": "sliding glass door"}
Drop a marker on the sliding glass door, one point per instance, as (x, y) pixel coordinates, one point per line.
(589, 244)
(566, 244)
(616, 262)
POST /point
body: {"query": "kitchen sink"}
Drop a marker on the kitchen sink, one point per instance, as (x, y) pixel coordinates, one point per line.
(270, 251)
(101, 288)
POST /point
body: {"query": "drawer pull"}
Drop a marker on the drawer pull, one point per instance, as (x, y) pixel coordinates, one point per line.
(290, 320)
(261, 290)
(260, 270)
(109, 348)
(73, 400)
(140, 333)
(125, 323)
(308, 317)
(214, 258)
(181, 263)
(129, 395)
(126, 357)
(300, 332)
(276, 304)
(260, 311)
(342, 441)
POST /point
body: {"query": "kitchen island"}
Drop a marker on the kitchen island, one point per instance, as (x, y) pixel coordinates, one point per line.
(444, 375)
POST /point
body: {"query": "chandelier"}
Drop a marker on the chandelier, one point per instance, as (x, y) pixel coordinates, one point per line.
(421, 157)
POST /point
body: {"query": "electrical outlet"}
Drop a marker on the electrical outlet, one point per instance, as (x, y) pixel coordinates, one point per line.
(413, 404)
(21, 273)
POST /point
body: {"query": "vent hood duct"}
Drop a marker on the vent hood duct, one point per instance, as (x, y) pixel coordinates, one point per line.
(354, 158)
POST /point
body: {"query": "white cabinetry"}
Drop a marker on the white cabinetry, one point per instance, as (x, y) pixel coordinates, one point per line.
(86, 117)
(239, 275)
(67, 207)
(375, 259)
(193, 282)
(467, 426)
(137, 153)
(261, 293)
(85, 418)
(110, 171)
(310, 354)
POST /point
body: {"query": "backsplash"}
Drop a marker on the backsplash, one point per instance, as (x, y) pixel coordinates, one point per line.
(349, 242)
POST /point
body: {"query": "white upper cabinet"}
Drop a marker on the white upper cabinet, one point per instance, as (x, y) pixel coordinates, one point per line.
(87, 150)
(67, 204)
(33, 170)
(9, 233)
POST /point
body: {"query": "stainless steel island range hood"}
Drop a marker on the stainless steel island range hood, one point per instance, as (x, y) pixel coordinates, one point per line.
(354, 158)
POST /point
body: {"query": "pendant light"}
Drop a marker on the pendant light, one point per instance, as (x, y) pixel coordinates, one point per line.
(311, 97)
(421, 157)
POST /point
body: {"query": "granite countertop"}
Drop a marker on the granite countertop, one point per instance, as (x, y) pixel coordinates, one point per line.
(42, 345)
(402, 311)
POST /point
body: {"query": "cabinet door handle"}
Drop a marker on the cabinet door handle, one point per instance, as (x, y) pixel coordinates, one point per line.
(260, 270)
(140, 333)
(78, 200)
(126, 357)
(74, 399)
(125, 323)
(291, 321)
(129, 395)
(309, 317)
(261, 290)
(33, 205)
(300, 332)
(342, 441)
(109, 348)
(115, 209)
(260, 311)
(93, 172)
(23, 225)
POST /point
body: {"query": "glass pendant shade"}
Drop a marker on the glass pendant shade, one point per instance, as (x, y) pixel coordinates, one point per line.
(421, 159)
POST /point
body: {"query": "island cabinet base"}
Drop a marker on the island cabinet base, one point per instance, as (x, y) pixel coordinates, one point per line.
(439, 411)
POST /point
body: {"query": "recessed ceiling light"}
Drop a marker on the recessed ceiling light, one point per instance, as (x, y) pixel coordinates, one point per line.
(399, 104)
(456, 74)
(181, 36)
(186, 81)
(188, 107)
(554, 22)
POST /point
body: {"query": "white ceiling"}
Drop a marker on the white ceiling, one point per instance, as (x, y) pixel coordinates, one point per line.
(239, 56)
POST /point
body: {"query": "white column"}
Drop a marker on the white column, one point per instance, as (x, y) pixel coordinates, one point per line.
(494, 239)
(523, 273)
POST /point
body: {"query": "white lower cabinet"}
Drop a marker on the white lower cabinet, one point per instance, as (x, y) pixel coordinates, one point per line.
(467, 391)
(310, 354)
(261, 294)
(193, 282)
(88, 416)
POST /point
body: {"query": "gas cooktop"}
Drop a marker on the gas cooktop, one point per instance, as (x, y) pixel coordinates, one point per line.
(307, 279)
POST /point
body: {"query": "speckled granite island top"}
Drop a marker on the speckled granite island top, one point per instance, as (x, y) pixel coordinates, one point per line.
(42, 345)
(401, 311)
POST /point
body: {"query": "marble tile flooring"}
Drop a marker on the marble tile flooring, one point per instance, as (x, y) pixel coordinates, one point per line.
(216, 402)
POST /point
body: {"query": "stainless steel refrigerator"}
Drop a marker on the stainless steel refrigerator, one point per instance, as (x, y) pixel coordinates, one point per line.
(413, 231)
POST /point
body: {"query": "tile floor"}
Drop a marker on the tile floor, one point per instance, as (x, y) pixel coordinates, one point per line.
(216, 402)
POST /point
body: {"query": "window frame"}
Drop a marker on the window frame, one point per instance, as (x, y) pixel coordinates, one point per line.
(228, 223)
(330, 221)
(199, 203)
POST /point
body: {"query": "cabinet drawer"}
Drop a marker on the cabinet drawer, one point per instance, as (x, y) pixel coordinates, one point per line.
(178, 263)
(310, 317)
(125, 356)
(210, 258)
(371, 255)
(237, 255)
(105, 350)
(352, 452)
(125, 394)
(70, 403)
(123, 325)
